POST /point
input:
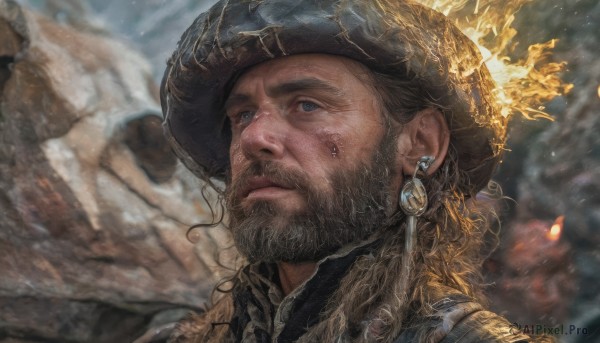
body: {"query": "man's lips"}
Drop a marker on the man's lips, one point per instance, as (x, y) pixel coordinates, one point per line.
(260, 182)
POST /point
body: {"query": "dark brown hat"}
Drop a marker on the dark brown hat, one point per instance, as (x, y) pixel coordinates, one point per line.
(397, 37)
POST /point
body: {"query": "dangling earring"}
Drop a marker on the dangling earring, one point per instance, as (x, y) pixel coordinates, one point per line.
(413, 201)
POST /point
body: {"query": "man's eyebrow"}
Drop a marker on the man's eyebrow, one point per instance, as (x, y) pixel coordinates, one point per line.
(234, 100)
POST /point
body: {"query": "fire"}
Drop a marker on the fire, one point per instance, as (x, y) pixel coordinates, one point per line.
(522, 86)
(556, 229)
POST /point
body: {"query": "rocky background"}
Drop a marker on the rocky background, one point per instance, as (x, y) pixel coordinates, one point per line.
(93, 219)
(94, 208)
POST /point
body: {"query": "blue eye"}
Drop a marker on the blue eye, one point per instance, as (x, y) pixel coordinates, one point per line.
(245, 117)
(308, 106)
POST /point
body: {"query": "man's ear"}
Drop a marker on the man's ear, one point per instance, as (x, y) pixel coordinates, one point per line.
(427, 134)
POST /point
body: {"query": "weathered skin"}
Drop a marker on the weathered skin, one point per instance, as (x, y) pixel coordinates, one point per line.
(416, 43)
(92, 218)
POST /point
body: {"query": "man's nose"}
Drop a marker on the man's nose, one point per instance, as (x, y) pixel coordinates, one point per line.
(263, 138)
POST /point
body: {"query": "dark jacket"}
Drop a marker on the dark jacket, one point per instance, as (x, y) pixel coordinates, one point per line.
(258, 312)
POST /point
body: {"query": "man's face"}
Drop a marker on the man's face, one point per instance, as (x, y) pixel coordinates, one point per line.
(311, 158)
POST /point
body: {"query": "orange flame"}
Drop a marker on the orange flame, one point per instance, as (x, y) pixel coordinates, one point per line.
(556, 229)
(522, 86)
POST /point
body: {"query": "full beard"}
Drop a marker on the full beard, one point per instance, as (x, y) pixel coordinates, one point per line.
(355, 208)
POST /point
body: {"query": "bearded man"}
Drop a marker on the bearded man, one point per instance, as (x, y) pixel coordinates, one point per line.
(350, 135)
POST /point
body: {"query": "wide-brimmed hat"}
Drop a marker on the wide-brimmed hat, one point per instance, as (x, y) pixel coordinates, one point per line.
(398, 37)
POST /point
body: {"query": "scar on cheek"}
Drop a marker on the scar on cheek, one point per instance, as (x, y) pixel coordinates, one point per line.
(333, 148)
(332, 141)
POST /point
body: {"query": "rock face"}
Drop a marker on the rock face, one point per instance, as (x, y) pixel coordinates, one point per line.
(93, 205)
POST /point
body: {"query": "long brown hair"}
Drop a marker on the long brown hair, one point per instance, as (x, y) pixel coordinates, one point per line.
(369, 305)
(448, 255)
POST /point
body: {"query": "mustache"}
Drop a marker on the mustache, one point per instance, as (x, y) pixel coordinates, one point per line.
(274, 171)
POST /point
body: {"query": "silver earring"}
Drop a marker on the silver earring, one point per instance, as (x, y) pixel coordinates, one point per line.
(413, 200)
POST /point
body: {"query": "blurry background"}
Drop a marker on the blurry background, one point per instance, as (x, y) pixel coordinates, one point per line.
(73, 271)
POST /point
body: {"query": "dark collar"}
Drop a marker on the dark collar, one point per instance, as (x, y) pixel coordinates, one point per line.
(262, 312)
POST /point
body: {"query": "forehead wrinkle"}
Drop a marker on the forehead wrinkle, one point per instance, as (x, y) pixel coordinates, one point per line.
(304, 84)
(285, 88)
